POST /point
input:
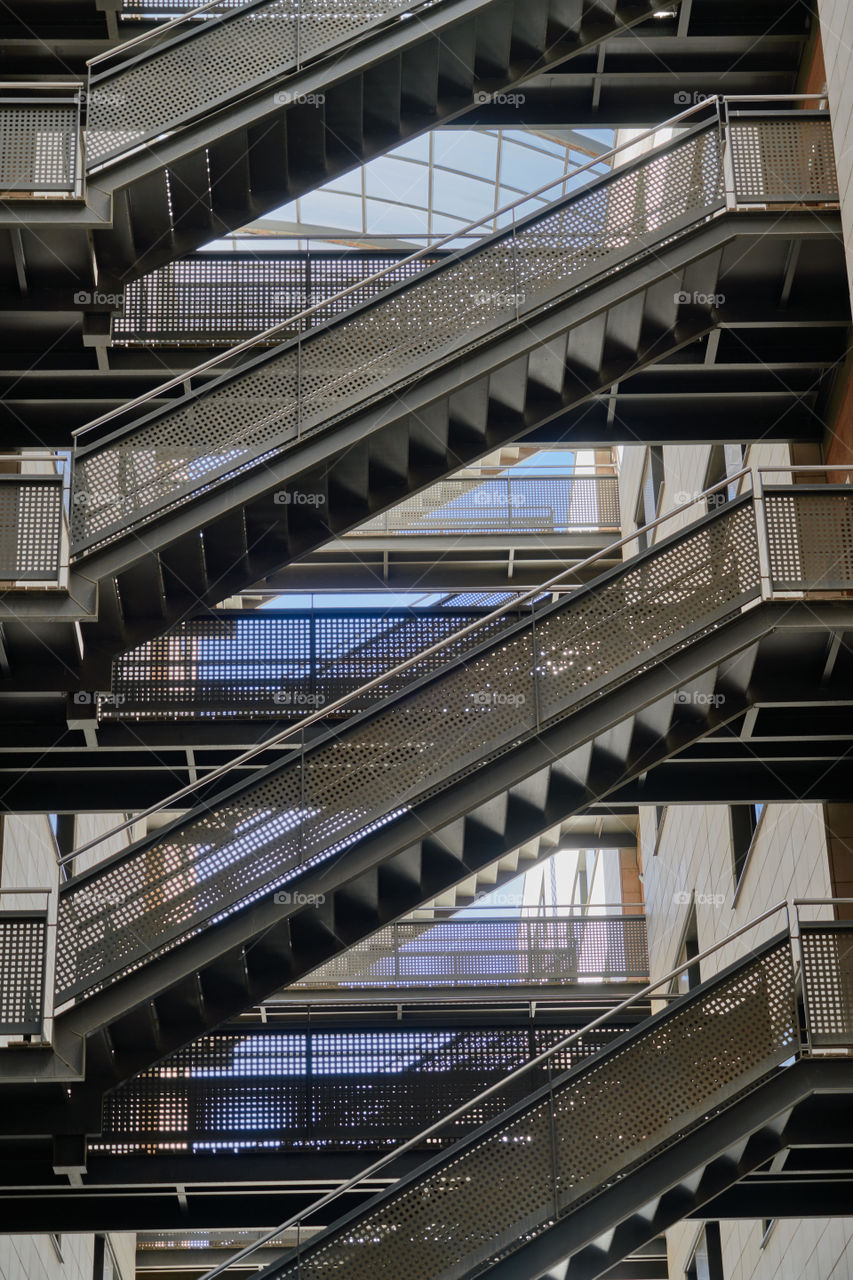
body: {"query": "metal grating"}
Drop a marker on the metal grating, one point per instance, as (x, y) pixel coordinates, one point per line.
(287, 394)
(551, 951)
(38, 146)
(783, 161)
(301, 812)
(827, 953)
(503, 1188)
(503, 504)
(176, 8)
(216, 299)
(810, 539)
(30, 527)
(281, 666)
(23, 938)
(291, 1091)
(203, 65)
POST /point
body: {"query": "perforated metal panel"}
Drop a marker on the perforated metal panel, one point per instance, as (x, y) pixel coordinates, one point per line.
(219, 299)
(510, 1184)
(276, 666)
(503, 504)
(23, 938)
(202, 65)
(284, 395)
(456, 953)
(302, 812)
(328, 1090)
(38, 145)
(30, 527)
(783, 161)
(827, 952)
(810, 538)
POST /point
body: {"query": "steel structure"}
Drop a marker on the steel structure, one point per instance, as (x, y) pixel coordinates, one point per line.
(322, 848)
(275, 456)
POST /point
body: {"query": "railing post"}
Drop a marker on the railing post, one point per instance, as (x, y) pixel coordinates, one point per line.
(50, 940)
(726, 154)
(761, 534)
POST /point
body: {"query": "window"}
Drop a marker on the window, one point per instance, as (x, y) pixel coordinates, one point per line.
(707, 1260)
(689, 948)
(744, 820)
(724, 460)
(650, 491)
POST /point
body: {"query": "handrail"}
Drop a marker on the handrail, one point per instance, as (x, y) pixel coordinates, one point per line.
(166, 26)
(259, 338)
(299, 727)
(452, 1116)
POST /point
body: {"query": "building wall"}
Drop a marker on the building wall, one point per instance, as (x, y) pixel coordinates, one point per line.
(29, 859)
(687, 859)
(34, 1258)
(836, 22)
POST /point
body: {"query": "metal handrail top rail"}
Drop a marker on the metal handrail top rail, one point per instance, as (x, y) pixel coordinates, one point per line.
(300, 726)
(157, 31)
(477, 1101)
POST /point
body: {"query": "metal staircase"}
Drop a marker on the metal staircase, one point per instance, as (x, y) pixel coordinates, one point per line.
(262, 882)
(206, 122)
(601, 1157)
(178, 506)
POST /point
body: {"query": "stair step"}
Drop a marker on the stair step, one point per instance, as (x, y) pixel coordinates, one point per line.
(189, 193)
(345, 122)
(494, 39)
(419, 80)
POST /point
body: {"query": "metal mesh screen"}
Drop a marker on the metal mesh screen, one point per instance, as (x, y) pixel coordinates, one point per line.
(300, 813)
(827, 953)
(206, 64)
(328, 1090)
(280, 666)
(784, 160)
(285, 395)
(505, 953)
(810, 539)
(502, 1189)
(23, 938)
(220, 299)
(503, 504)
(175, 8)
(38, 146)
(30, 527)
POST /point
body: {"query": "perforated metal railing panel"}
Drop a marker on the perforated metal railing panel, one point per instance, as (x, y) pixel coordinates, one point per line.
(221, 298)
(30, 527)
(299, 813)
(510, 1183)
(213, 62)
(23, 937)
(827, 952)
(503, 504)
(329, 1090)
(810, 539)
(783, 161)
(505, 953)
(289, 393)
(38, 146)
(282, 666)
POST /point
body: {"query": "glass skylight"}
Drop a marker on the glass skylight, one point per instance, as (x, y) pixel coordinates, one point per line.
(427, 188)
